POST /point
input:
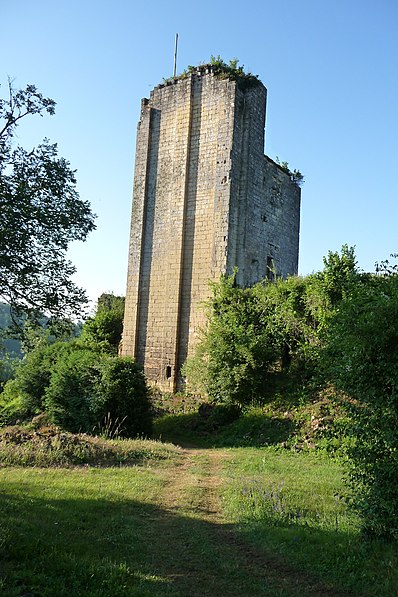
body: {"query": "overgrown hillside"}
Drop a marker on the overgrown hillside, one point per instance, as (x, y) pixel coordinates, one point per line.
(310, 362)
(334, 334)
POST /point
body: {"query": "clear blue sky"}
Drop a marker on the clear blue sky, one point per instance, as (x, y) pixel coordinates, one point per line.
(330, 68)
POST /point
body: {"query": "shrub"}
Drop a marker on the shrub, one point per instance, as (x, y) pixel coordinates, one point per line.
(361, 359)
(23, 396)
(80, 388)
(126, 396)
(236, 350)
(73, 399)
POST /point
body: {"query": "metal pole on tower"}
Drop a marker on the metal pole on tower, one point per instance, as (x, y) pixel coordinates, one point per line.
(175, 56)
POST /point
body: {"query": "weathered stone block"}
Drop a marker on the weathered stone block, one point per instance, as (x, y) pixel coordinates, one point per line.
(205, 199)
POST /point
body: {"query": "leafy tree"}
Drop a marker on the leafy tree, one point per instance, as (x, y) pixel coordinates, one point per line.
(360, 358)
(81, 388)
(41, 214)
(339, 273)
(106, 326)
(251, 332)
(232, 360)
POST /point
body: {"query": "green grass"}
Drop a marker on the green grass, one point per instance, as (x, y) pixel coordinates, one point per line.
(50, 446)
(291, 504)
(95, 517)
(78, 532)
(113, 531)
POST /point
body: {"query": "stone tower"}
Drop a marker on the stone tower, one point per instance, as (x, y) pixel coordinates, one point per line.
(205, 200)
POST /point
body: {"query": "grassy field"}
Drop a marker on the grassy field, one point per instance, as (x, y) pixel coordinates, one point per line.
(155, 519)
(291, 505)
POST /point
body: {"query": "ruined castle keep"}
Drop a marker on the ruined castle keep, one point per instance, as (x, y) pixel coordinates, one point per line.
(205, 200)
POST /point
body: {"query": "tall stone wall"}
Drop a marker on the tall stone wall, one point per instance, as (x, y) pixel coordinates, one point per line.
(280, 216)
(204, 201)
(246, 234)
(179, 219)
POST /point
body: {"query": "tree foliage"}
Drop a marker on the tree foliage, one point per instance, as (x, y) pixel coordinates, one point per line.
(106, 326)
(41, 215)
(80, 388)
(360, 357)
(236, 348)
(253, 331)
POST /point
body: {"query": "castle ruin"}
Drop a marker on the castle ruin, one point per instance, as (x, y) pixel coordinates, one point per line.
(205, 200)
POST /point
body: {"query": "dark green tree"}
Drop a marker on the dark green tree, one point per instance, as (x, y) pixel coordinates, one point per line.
(360, 359)
(80, 388)
(41, 214)
(106, 326)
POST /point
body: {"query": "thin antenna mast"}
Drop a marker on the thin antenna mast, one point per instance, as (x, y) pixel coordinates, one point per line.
(175, 56)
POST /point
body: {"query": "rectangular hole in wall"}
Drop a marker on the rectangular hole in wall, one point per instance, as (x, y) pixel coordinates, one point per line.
(270, 269)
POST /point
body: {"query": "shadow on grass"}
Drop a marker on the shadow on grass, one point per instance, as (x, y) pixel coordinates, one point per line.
(97, 547)
(255, 430)
(360, 567)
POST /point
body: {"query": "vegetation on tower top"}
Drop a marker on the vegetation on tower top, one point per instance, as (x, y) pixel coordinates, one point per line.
(222, 70)
(295, 175)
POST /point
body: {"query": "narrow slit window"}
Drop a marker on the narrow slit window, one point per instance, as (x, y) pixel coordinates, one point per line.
(270, 269)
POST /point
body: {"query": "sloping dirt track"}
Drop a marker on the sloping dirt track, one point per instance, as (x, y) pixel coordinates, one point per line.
(237, 568)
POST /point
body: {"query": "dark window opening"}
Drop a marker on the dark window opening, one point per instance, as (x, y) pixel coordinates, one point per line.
(168, 372)
(270, 269)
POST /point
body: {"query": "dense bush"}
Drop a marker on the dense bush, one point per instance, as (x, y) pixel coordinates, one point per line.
(234, 354)
(73, 399)
(251, 332)
(106, 327)
(81, 388)
(23, 395)
(361, 359)
(126, 396)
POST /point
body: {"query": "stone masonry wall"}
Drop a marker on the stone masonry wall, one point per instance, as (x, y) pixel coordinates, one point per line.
(246, 231)
(281, 216)
(205, 199)
(179, 219)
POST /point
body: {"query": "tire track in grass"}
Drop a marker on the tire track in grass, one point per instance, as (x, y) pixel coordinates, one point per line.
(234, 567)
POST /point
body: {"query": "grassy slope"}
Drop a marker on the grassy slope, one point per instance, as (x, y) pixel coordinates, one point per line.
(290, 504)
(132, 531)
(225, 521)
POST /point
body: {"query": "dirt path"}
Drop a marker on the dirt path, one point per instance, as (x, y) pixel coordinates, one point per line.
(194, 485)
(193, 491)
